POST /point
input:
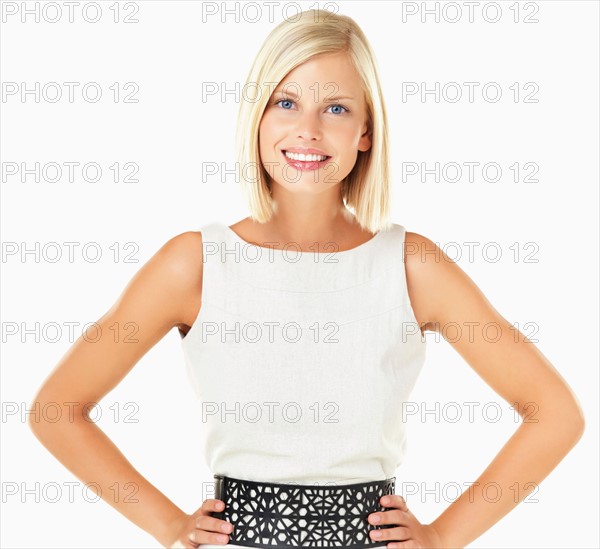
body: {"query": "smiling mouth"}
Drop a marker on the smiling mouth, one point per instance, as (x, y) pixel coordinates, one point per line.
(304, 158)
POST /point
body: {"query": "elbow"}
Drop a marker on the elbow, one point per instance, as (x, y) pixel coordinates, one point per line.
(44, 413)
(572, 423)
(564, 420)
(567, 413)
(578, 424)
(36, 420)
(577, 419)
(50, 413)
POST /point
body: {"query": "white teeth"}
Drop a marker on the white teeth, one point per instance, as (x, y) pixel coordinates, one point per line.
(305, 157)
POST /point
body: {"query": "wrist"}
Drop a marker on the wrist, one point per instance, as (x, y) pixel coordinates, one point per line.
(440, 541)
(169, 531)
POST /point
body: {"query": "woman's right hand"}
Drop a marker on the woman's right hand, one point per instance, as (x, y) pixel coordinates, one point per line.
(201, 528)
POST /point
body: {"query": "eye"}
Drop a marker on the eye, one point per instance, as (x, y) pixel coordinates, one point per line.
(283, 101)
(341, 107)
(291, 102)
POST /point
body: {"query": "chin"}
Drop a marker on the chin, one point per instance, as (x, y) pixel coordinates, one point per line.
(308, 188)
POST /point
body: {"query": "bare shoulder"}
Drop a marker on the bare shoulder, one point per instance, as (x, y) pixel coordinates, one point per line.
(172, 277)
(184, 256)
(440, 291)
(433, 280)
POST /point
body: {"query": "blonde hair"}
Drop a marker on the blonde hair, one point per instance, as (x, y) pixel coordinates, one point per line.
(366, 189)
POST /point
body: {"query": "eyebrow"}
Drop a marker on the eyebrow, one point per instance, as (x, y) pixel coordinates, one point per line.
(326, 100)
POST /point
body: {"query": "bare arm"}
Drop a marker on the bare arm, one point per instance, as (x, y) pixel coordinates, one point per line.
(442, 293)
(157, 299)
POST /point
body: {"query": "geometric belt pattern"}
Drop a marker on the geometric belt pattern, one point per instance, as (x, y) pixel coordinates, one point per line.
(286, 516)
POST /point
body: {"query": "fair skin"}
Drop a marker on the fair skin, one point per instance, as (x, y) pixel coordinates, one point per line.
(309, 209)
(309, 212)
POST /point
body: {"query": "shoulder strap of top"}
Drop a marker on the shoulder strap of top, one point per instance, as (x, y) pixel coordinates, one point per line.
(212, 231)
(212, 240)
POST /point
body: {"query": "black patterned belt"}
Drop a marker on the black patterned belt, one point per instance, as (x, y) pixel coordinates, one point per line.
(286, 516)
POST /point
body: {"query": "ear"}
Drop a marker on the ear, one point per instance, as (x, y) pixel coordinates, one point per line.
(364, 143)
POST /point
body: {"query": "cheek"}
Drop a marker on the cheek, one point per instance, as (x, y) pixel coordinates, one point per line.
(266, 133)
(346, 133)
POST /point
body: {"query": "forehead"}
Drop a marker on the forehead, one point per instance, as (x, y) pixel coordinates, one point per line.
(332, 72)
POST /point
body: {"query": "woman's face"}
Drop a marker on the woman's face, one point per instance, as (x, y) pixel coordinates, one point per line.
(318, 105)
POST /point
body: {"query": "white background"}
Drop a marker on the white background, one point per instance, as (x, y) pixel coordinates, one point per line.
(170, 132)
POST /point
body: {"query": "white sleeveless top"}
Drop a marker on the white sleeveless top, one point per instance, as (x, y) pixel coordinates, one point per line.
(302, 360)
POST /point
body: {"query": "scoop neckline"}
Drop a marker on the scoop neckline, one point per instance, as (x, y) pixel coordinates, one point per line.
(359, 247)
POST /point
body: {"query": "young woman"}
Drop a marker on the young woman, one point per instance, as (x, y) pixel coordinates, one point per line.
(312, 310)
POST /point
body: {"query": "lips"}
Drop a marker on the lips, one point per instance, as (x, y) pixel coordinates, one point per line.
(306, 151)
(306, 165)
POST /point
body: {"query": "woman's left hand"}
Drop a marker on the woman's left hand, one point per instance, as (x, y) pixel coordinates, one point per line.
(408, 532)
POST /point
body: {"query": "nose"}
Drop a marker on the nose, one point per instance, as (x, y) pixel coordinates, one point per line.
(309, 126)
